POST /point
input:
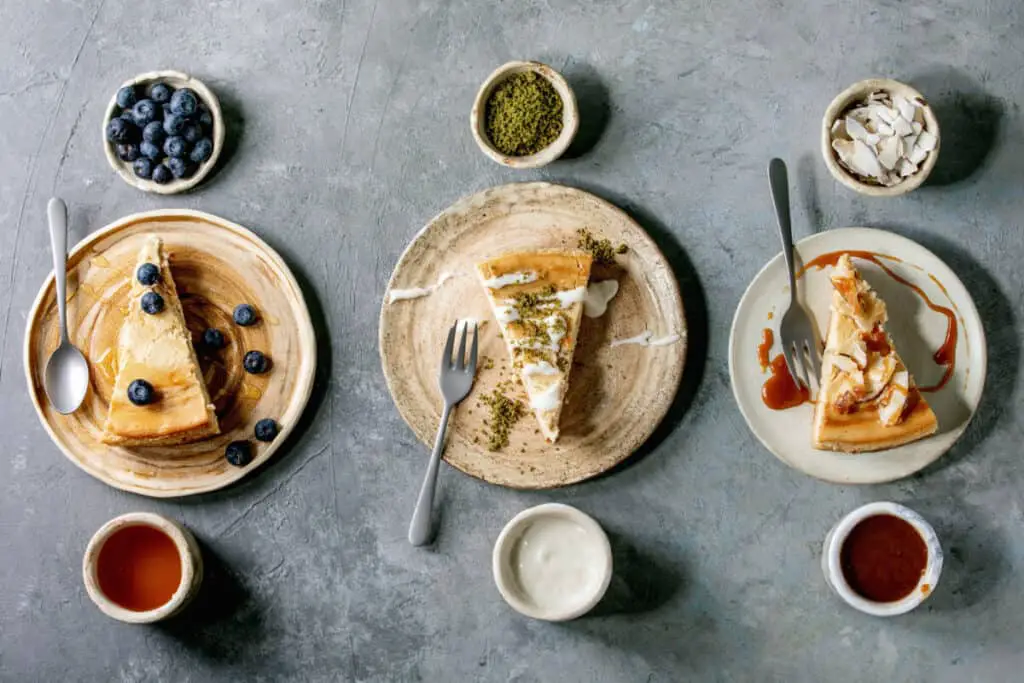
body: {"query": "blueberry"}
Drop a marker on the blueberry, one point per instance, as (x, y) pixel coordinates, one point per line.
(126, 97)
(154, 132)
(244, 315)
(205, 119)
(128, 151)
(184, 102)
(143, 167)
(167, 109)
(148, 274)
(119, 130)
(162, 175)
(213, 338)
(266, 429)
(144, 112)
(179, 167)
(151, 151)
(173, 123)
(238, 453)
(127, 116)
(140, 392)
(256, 363)
(160, 93)
(175, 146)
(191, 132)
(202, 151)
(152, 303)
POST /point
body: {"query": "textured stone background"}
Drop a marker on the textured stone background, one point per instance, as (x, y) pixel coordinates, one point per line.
(349, 129)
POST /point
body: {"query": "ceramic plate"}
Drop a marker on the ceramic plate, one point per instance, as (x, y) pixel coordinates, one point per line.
(917, 331)
(216, 265)
(617, 396)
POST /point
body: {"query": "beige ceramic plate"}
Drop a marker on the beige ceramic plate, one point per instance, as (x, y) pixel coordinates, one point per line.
(617, 396)
(917, 331)
(216, 265)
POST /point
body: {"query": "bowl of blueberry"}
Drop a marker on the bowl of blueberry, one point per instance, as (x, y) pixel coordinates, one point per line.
(163, 132)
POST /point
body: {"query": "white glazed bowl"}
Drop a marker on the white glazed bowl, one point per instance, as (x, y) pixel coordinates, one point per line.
(857, 92)
(832, 567)
(505, 579)
(188, 552)
(570, 116)
(177, 80)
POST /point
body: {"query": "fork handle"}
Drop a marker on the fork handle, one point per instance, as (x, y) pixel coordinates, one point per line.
(779, 181)
(419, 528)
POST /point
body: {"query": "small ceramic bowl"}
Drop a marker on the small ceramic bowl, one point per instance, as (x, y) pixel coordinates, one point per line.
(570, 116)
(188, 552)
(590, 542)
(832, 567)
(859, 92)
(177, 80)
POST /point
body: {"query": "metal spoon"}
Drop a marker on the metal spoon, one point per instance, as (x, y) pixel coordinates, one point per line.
(67, 372)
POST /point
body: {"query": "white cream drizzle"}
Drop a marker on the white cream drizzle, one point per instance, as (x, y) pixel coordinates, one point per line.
(571, 296)
(598, 295)
(419, 292)
(539, 368)
(520, 278)
(549, 399)
(647, 338)
(506, 314)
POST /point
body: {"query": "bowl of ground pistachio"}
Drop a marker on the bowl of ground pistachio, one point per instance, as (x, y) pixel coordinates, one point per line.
(525, 115)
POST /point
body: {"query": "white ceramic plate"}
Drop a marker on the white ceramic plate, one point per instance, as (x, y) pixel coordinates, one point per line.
(916, 330)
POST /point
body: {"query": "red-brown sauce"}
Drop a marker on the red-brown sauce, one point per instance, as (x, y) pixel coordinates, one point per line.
(139, 568)
(764, 348)
(780, 391)
(883, 558)
(946, 354)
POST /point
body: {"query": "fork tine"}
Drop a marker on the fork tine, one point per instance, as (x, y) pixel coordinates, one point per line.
(812, 353)
(446, 359)
(791, 364)
(460, 357)
(473, 350)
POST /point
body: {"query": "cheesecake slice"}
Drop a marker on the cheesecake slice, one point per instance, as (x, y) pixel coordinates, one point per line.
(158, 348)
(537, 299)
(867, 400)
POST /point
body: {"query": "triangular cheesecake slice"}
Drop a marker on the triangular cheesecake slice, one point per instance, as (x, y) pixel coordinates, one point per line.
(867, 400)
(537, 298)
(157, 348)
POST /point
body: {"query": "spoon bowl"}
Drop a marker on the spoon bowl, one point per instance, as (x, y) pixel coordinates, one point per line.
(66, 378)
(67, 372)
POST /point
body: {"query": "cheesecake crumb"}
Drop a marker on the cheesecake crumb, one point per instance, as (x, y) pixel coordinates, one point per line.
(601, 248)
(505, 412)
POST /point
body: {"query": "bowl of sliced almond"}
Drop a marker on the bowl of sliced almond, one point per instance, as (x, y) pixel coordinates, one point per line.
(880, 137)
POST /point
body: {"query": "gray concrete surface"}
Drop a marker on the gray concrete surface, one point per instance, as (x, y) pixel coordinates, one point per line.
(350, 124)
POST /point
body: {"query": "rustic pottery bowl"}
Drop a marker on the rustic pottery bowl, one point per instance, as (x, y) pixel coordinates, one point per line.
(831, 563)
(570, 116)
(503, 562)
(188, 552)
(177, 80)
(857, 92)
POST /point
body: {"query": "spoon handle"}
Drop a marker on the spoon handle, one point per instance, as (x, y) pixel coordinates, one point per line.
(57, 213)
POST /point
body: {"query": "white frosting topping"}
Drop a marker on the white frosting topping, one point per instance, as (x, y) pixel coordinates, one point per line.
(647, 338)
(418, 292)
(541, 367)
(520, 278)
(549, 399)
(598, 296)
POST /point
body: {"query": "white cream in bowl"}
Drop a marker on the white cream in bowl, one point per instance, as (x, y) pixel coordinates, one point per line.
(552, 562)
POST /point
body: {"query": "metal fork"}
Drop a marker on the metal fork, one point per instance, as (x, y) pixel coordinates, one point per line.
(455, 380)
(796, 329)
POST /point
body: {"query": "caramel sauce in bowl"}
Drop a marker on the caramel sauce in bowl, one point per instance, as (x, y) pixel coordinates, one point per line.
(141, 567)
(882, 559)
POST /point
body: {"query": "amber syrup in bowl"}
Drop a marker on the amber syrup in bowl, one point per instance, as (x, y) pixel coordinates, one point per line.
(883, 559)
(142, 567)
